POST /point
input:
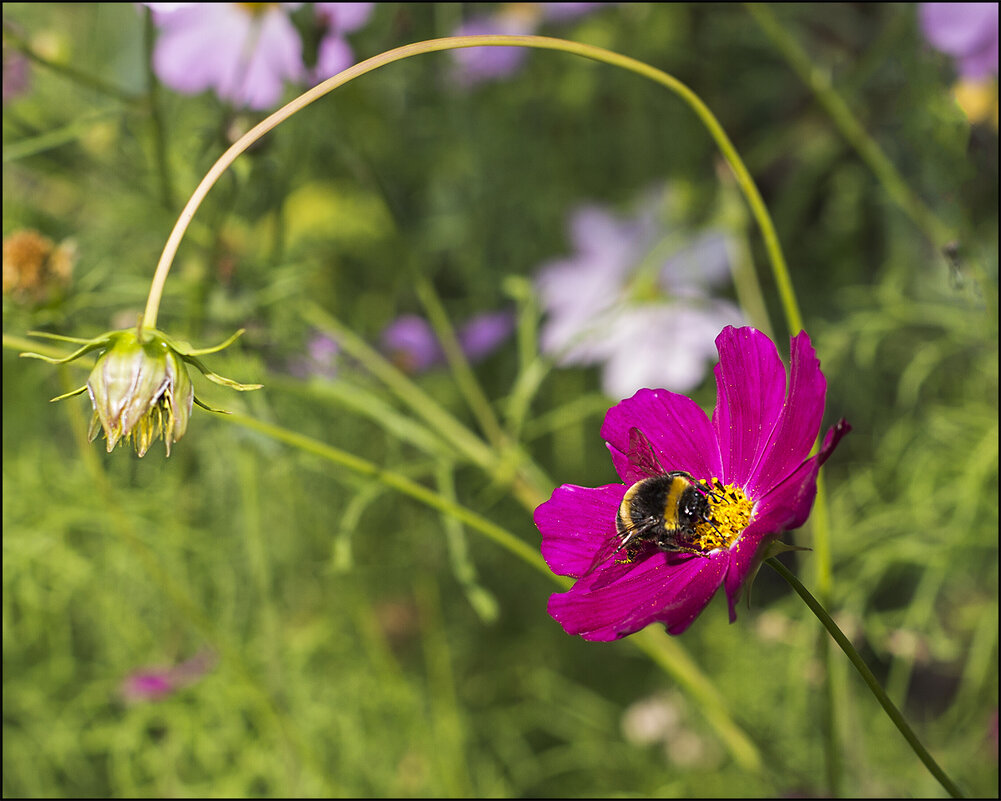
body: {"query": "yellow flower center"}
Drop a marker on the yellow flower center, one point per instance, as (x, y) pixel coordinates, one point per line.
(257, 9)
(731, 512)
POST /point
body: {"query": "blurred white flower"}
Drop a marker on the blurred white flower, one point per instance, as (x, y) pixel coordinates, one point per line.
(650, 720)
(635, 298)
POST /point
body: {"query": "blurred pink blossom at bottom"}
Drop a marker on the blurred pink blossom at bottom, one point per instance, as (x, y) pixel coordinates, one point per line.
(155, 684)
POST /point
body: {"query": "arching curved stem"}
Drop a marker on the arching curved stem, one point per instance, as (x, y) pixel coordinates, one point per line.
(715, 130)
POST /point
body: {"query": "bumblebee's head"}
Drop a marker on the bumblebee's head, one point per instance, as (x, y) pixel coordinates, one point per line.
(694, 506)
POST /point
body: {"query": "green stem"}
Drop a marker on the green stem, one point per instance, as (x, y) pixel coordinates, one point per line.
(853, 656)
(475, 397)
(158, 125)
(400, 483)
(444, 424)
(56, 137)
(84, 79)
(747, 185)
(820, 525)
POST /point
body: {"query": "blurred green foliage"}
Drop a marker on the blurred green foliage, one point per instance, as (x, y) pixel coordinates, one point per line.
(366, 645)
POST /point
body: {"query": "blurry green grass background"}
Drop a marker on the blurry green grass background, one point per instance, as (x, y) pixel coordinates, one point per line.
(358, 654)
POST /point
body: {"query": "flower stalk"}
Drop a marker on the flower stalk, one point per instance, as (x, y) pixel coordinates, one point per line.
(867, 676)
(708, 119)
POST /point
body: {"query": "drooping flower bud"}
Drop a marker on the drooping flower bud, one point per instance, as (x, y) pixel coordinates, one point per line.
(140, 387)
(140, 390)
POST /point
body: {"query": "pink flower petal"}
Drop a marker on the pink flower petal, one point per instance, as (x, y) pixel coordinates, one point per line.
(149, 685)
(575, 523)
(658, 589)
(797, 425)
(275, 59)
(785, 507)
(198, 46)
(344, 17)
(962, 29)
(246, 57)
(334, 55)
(751, 387)
(676, 426)
(743, 555)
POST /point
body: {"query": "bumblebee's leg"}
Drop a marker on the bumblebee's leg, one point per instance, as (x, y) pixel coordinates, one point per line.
(676, 547)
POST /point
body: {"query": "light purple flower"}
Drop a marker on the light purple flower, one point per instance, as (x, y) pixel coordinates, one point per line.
(478, 64)
(596, 315)
(154, 684)
(321, 359)
(148, 685)
(334, 53)
(412, 345)
(16, 74)
(756, 444)
(966, 31)
(484, 333)
(563, 12)
(247, 52)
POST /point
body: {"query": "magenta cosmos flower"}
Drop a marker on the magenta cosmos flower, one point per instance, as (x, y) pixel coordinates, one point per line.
(753, 453)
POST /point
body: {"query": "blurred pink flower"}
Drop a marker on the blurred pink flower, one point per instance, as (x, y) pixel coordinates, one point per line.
(477, 64)
(966, 31)
(321, 359)
(334, 53)
(154, 684)
(484, 333)
(412, 345)
(16, 73)
(247, 52)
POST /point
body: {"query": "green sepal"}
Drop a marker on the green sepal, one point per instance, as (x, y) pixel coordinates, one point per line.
(92, 344)
(139, 385)
(72, 394)
(219, 379)
(208, 408)
(61, 338)
(186, 349)
(775, 547)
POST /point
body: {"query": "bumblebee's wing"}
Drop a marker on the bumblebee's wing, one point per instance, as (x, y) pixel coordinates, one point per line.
(615, 543)
(608, 548)
(643, 461)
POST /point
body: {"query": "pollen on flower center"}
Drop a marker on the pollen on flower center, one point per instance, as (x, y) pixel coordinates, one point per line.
(731, 512)
(257, 9)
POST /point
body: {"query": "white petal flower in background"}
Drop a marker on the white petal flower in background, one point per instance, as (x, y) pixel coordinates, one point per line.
(636, 297)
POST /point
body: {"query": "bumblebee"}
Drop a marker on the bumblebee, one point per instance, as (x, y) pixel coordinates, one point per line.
(661, 508)
(664, 510)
